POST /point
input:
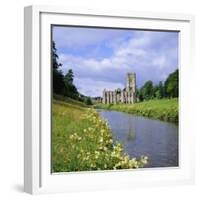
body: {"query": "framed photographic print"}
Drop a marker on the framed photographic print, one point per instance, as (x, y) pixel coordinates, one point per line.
(106, 95)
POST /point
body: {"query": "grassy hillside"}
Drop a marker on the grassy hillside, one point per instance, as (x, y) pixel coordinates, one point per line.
(165, 109)
(82, 141)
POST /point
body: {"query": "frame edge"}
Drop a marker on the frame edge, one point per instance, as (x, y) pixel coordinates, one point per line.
(31, 184)
(28, 185)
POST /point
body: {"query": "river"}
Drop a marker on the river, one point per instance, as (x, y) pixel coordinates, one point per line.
(143, 136)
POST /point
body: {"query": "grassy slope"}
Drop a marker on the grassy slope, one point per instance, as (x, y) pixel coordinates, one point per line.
(165, 109)
(66, 116)
(84, 143)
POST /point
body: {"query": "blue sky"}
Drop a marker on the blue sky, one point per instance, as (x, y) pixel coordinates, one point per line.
(101, 58)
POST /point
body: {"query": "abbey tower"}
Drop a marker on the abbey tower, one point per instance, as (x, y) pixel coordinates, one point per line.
(131, 82)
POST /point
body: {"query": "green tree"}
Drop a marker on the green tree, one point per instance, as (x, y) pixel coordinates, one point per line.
(69, 77)
(147, 91)
(87, 101)
(55, 57)
(70, 88)
(156, 93)
(159, 91)
(171, 85)
(58, 78)
(140, 94)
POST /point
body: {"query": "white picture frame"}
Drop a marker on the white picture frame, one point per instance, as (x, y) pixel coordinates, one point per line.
(37, 140)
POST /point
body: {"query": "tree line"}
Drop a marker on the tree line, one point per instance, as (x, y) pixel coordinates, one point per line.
(167, 89)
(63, 84)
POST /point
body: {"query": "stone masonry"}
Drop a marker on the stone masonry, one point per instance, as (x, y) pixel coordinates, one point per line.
(126, 95)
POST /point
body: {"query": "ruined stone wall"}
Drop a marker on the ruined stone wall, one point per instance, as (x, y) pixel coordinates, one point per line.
(112, 97)
(128, 95)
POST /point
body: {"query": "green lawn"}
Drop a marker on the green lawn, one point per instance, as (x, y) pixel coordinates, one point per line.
(82, 141)
(164, 109)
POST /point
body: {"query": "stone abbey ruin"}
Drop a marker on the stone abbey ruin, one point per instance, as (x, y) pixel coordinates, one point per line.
(126, 95)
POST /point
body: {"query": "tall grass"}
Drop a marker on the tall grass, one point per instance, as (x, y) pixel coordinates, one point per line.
(82, 141)
(164, 109)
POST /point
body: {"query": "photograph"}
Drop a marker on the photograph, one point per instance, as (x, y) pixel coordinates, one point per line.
(114, 98)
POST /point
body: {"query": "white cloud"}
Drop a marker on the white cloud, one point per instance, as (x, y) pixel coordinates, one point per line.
(160, 62)
(148, 54)
(92, 87)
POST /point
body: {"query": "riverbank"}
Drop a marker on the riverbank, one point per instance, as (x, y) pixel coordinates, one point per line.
(82, 140)
(164, 109)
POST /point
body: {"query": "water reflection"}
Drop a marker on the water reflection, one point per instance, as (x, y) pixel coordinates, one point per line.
(143, 136)
(131, 135)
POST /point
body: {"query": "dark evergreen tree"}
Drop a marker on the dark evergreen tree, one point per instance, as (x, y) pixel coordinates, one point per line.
(69, 77)
(58, 78)
(70, 88)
